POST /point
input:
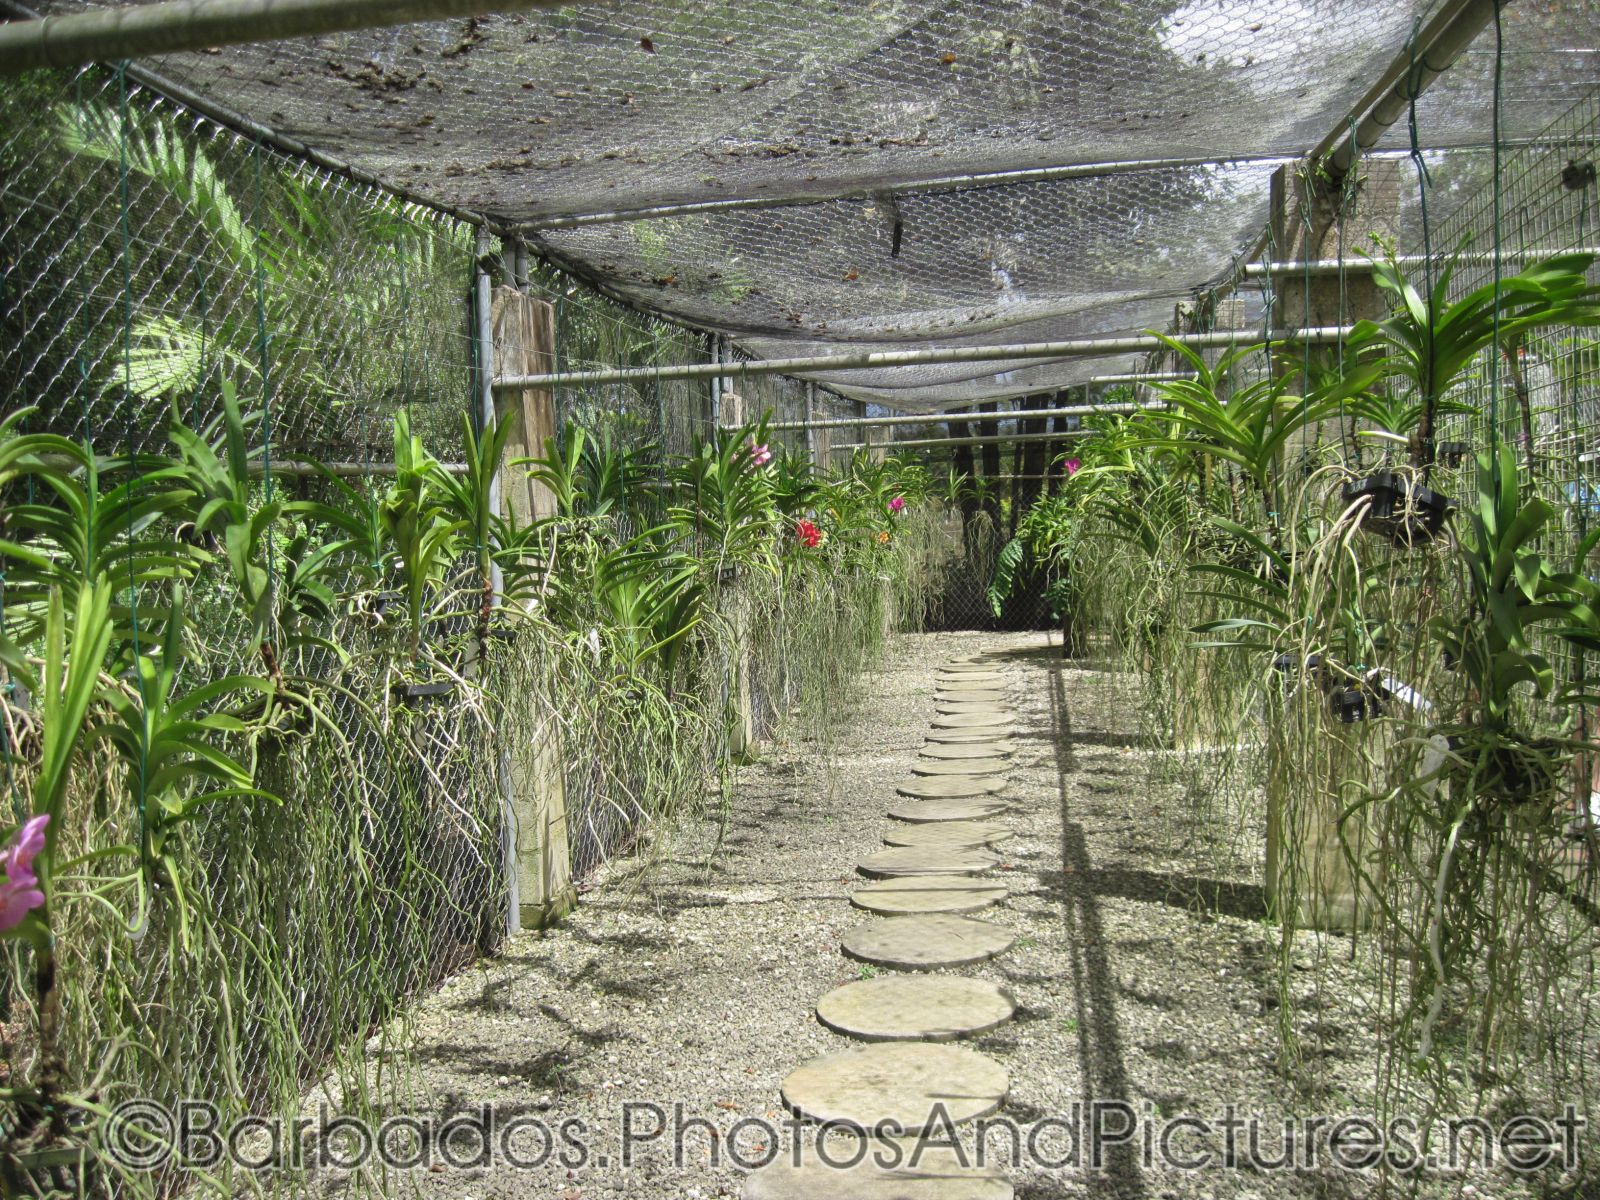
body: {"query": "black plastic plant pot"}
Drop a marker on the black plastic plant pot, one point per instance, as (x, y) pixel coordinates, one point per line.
(1453, 454)
(1291, 662)
(416, 693)
(1352, 704)
(1403, 511)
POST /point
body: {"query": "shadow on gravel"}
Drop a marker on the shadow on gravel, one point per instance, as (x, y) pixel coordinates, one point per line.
(1094, 989)
(1246, 901)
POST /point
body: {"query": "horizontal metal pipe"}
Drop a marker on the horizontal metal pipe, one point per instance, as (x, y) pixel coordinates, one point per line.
(989, 179)
(1140, 377)
(1429, 55)
(173, 26)
(878, 359)
(1010, 414)
(1332, 266)
(980, 440)
(343, 469)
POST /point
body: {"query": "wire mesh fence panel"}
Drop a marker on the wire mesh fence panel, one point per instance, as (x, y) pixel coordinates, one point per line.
(150, 258)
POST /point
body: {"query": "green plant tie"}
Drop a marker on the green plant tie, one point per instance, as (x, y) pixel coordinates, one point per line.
(1424, 184)
(140, 790)
(264, 342)
(1494, 355)
(203, 376)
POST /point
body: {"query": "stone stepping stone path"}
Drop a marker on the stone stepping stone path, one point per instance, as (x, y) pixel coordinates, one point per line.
(951, 789)
(938, 812)
(899, 1008)
(972, 721)
(899, 1081)
(912, 895)
(938, 1175)
(925, 881)
(965, 735)
(950, 834)
(966, 750)
(926, 860)
(924, 943)
(974, 766)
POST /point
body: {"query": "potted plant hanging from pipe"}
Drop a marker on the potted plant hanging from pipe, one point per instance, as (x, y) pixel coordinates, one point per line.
(1428, 344)
(1492, 795)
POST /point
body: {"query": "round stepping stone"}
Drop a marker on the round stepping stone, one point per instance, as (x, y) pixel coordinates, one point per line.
(926, 942)
(939, 1174)
(969, 668)
(948, 707)
(990, 682)
(971, 766)
(957, 736)
(952, 789)
(954, 834)
(966, 750)
(913, 894)
(909, 1008)
(904, 1082)
(975, 695)
(971, 721)
(926, 860)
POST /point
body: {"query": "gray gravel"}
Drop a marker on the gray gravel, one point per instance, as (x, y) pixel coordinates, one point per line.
(1139, 975)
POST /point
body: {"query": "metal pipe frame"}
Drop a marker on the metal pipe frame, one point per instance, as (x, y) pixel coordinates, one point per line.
(1432, 53)
(1010, 414)
(940, 183)
(174, 26)
(880, 359)
(979, 440)
(1332, 266)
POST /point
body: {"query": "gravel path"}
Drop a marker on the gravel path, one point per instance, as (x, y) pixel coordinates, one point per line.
(1138, 977)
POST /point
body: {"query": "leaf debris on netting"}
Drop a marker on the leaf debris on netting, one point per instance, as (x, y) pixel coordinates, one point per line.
(600, 108)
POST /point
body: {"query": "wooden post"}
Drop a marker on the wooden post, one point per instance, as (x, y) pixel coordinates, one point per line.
(535, 777)
(524, 342)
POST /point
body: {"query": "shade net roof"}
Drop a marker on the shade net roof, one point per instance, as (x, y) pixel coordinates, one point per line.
(853, 106)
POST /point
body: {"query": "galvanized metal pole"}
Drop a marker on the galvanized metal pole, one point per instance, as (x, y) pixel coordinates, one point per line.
(810, 424)
(877, 359)
(1010, 414)
(982, 439)
(1433, 51)
(173, 26)
(483, 403)
(1332, 266)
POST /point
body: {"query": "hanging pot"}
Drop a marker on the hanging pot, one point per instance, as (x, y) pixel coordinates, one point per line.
(1401, 510)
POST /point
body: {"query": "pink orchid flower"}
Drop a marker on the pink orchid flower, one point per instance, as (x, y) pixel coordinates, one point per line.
(1072, 466)
(19, 893)
(897, 504)
(759, 455)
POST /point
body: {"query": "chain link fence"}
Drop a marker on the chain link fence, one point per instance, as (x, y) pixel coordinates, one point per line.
(148, 257)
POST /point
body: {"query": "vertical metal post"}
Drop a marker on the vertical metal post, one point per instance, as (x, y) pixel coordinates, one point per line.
(520, 266)
(483, 404)
(811, 417)
(716, 382)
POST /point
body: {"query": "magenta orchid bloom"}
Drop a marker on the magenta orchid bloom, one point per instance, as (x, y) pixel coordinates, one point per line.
(897, 504)
(1072, 466)
(19, 893)
(760, 455)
